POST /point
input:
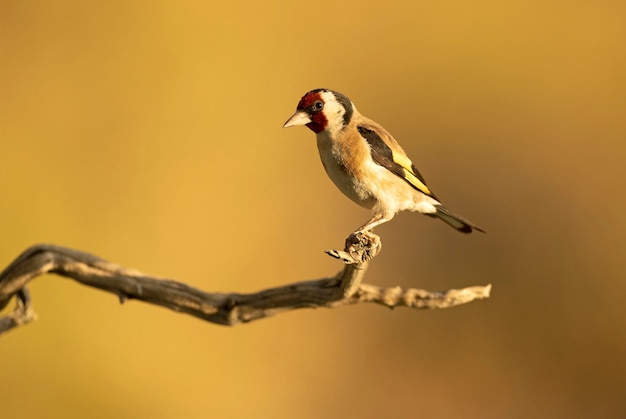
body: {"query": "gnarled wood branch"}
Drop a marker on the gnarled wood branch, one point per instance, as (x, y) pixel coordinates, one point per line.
(222, 308)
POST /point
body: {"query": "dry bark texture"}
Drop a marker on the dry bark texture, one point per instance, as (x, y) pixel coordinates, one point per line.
(342, 289)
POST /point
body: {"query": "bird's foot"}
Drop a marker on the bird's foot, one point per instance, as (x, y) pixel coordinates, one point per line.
(360, 247)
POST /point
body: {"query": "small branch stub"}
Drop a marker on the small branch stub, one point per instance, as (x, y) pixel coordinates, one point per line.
(361, 247)
(343, 289)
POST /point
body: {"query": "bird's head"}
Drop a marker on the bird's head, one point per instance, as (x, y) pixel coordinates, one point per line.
(322, 110)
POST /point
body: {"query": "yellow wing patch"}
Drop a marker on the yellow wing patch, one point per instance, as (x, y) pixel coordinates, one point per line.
(406, 164)
(413, 180)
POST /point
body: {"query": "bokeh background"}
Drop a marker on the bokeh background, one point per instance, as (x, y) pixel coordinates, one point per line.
(149, 133)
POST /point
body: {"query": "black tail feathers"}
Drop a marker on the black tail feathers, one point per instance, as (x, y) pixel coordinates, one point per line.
(459, 223)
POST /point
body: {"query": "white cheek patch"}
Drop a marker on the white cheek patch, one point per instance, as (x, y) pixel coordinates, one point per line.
(334, 112)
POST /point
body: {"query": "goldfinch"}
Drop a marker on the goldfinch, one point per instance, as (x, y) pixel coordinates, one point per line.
(366, 163)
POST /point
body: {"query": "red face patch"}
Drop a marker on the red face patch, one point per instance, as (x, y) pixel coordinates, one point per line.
(318, 119)
(308, 100)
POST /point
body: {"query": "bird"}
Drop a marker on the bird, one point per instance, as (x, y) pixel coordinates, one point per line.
(366, 163)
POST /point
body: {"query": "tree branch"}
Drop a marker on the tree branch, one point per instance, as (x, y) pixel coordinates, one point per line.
(345, 288)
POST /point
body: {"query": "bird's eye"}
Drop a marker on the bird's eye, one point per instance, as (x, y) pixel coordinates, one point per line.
(318, 106)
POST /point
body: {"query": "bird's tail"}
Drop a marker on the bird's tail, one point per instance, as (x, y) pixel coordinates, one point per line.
(459, 223)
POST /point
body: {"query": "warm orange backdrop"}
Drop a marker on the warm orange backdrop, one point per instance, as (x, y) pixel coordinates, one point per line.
(149, 133)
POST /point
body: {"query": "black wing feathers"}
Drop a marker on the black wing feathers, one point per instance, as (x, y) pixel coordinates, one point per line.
(383, 155)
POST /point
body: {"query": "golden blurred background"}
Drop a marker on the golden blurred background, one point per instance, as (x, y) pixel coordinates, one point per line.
(149, 133)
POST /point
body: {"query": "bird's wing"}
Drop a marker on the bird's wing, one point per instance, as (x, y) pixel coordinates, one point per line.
(388, 153)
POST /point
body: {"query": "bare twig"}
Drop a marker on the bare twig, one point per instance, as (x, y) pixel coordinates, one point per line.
(222, 308)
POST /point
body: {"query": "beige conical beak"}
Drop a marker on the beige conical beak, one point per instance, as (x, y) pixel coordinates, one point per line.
(298, 118)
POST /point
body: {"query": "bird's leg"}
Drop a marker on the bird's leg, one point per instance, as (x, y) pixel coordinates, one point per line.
(378, 219)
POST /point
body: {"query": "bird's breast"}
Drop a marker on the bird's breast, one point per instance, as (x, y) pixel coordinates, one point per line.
(343, 170)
